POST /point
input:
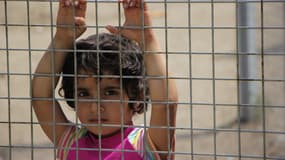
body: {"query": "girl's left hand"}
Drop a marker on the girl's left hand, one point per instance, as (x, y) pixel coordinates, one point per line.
(137, 21)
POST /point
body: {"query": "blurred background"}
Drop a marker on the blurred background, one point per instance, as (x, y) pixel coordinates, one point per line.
(228, 59)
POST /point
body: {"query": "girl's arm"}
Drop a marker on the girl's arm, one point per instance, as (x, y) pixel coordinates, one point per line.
(44, 82)
(163, 95)
(162, 91)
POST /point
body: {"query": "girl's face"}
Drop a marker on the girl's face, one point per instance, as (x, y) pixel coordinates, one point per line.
(110, 113)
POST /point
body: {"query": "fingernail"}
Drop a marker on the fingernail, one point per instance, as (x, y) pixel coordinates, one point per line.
(76, 3)
(66, 3)
(132, 4)
(138, 4)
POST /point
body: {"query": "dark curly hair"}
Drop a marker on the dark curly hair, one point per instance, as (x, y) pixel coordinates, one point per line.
(117, 55)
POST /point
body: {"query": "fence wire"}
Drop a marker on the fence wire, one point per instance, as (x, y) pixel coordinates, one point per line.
(226, 56)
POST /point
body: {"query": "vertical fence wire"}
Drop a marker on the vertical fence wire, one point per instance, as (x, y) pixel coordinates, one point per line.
(8, 80)
(30, 77)
(74, 51)
(238, 77)
(98, 77)
(213, 77)
(144, 77)
(121, 83)
(52, 49)
(166, 76)
(190, 81)
(262, 80)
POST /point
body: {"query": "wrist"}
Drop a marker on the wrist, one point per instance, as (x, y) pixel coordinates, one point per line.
(61, 41)
(150, 43)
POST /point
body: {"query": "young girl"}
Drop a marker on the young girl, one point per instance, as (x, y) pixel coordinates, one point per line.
(104, 80)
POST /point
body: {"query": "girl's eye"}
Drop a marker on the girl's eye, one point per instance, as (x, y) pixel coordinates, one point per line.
(82, 94)
(110, 93)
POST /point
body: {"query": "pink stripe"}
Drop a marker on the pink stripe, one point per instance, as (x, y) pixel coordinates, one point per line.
(63, 142)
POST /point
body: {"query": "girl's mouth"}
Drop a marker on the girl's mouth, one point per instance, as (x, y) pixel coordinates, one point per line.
(97, 120)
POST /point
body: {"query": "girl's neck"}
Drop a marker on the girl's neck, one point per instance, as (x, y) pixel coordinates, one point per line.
(113, 133)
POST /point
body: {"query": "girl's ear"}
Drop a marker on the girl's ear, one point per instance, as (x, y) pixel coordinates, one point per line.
(134, 106)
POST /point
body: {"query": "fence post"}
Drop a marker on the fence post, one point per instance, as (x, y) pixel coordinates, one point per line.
(247, 60)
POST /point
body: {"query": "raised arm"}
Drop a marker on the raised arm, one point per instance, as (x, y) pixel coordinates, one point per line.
(163, 92)
(70, 13)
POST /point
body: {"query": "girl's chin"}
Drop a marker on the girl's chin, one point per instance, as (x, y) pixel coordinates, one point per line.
(104, 131)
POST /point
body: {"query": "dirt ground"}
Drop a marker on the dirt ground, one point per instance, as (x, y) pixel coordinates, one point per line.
(204, 131)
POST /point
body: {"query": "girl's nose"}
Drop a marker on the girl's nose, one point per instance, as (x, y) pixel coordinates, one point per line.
(95, 106)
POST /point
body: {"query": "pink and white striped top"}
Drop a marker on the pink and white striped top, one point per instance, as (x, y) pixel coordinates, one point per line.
(80, 144)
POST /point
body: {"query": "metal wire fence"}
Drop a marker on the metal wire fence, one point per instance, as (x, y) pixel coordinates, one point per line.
(226, 56)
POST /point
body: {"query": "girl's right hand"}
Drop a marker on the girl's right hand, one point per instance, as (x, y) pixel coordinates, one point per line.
(71, 19)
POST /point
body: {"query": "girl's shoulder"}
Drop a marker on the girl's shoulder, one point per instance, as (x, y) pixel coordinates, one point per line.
(70, 135)
(136, 136)
(142, 143)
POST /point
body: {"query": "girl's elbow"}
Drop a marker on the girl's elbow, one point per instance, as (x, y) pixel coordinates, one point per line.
(173, 97)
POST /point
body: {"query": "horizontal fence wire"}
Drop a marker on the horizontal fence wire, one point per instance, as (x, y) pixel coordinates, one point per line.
(170, 1)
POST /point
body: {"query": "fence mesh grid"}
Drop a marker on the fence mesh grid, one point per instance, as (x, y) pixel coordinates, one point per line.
(226, 56)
